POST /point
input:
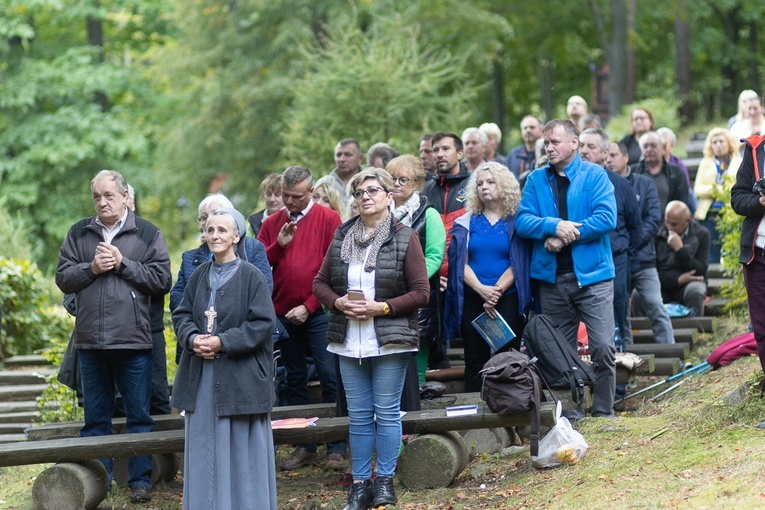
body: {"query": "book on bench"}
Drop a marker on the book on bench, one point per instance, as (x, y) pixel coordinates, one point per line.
(462, 410)
(497, 332)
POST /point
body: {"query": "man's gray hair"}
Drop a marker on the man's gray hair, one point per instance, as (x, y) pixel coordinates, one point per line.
(214, 198)
(491, 128)
(117, 177)
(383, 151)
(605, 142)
(652, 134)
(475, 131)
(294, 175)
(668, 134)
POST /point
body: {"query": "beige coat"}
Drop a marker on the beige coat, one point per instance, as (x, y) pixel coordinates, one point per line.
(705, 184)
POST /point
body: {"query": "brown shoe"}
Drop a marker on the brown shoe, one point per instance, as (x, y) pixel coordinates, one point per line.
(300, 457)
(336, 462)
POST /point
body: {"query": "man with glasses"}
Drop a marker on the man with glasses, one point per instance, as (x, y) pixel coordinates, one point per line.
(296, 239)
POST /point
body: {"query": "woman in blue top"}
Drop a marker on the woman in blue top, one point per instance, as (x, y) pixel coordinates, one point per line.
(488, 266)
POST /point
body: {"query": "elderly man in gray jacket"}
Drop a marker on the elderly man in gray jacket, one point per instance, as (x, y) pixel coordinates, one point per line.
(114, 262)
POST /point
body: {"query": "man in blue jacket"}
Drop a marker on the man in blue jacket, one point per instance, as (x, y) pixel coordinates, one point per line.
(568, 209)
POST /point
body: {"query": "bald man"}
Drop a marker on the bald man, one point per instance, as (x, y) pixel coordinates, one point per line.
(682, 255)
(576, 107)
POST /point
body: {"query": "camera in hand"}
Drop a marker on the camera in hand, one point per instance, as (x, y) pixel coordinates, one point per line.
(759, 186)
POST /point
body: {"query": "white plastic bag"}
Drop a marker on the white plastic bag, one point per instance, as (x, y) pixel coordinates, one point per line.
(562, 445)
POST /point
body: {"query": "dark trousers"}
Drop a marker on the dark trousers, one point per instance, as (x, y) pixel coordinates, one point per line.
(754, 279)
(622, 285)
(477, 351)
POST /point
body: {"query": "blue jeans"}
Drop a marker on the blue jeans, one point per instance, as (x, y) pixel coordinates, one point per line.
(309, 339)
(567, 303)
(373, 389)
(647, 301)
(131, 371)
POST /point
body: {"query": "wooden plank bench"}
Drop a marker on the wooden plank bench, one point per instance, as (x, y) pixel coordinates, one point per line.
(715, 306)
(667, 366)
(706, 324)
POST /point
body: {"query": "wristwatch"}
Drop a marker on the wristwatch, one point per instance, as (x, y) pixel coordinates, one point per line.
(386, 308)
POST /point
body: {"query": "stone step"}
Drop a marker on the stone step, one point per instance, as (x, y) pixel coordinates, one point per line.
(16, 407)
(13, 428)
(701, 324)
(623, 375)
(21, 392)
(715, 306)
(680, 350)
(12, 438)
(682, 335)
(714, 285)
(16, 377)
(27, 360)
(716, 271)
(23, 416)
(667, 366)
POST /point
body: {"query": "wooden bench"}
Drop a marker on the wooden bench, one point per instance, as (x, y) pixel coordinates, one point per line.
(706, 324)
(682, 335)
(60, 442)
(679, 350)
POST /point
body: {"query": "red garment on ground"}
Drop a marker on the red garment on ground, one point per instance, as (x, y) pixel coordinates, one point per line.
(733, 349)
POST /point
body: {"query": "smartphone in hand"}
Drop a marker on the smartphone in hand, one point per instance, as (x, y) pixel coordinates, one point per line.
(356, 295)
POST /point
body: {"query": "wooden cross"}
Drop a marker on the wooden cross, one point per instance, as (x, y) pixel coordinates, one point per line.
(210, 314)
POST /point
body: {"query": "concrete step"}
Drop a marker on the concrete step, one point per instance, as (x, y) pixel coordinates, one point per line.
(23, 416)
(701, 324)
(12, 438)
(15, 407)
(623, 375)
(667, 366)
(680, 350)
(715, 307)
(13, 428)
(16, 377)
(28, 360)
(716, 271)
(682, 335)
(714, 285)
(21, 392)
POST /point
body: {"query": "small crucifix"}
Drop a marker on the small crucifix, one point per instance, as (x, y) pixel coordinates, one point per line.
(210, 314)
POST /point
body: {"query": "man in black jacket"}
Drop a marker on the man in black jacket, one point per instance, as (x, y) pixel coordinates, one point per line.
(682, 258)
(669, 179)
(114, 262)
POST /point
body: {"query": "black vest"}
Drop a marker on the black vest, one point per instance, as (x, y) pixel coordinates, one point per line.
(430, 314)
(389, 283)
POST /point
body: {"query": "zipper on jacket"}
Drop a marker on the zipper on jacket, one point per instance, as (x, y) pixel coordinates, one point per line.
(135, 308)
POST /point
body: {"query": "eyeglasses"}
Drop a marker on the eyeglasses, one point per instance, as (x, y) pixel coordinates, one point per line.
(401, 180)
(642, 117)
(203, 218)
(370, 191)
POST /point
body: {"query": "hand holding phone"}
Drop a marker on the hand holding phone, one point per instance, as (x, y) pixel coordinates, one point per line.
(356, 295)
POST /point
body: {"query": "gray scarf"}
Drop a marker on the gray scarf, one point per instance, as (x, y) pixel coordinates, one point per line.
(356, 243)
(405, 213)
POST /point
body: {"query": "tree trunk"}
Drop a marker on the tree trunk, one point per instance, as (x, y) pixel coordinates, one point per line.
(499, 99)
(446, 450)
(631, 53)
(96, 38)
(731, 88)
(71, 485)
(754, 55)
(618, 58)
(544, 71)
(683, 60)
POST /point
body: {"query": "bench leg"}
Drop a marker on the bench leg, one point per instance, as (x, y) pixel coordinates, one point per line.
(71, 485)
(447, 451)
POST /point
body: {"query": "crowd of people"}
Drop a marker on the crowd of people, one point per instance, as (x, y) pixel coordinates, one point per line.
(365, 275)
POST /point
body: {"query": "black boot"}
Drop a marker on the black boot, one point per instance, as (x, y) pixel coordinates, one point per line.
(384, 493)
(360, 496)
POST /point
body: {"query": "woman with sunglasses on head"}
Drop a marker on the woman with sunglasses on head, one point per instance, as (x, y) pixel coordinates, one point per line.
(373, 280)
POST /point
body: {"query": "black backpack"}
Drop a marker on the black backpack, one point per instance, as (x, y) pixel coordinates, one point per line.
(560, 365)
(511, 384)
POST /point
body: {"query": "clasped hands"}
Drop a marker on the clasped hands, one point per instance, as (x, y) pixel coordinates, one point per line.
(565, 233)
(358, 309)
(491, 296)
(107, 257)
(206, 346)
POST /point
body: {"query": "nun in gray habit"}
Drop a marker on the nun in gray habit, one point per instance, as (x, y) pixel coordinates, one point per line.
(225, 377)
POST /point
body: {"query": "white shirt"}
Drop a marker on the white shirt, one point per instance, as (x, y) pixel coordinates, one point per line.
(109, 233)
(360, 337)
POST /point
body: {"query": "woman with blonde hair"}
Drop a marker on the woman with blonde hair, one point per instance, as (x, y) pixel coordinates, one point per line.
(743, 99)
(325, 193)
(717, 171)
(488, 266)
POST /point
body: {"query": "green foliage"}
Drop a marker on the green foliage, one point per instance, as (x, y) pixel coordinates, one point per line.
(729, 226)
(58, 402)
(14, 236)
(664, 110)
(29, 321)
(379, 85)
